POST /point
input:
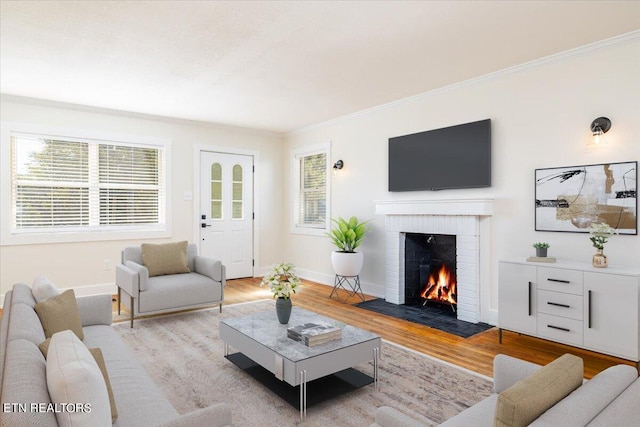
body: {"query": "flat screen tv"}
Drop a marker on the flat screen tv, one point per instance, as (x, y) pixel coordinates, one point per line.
(453, 157)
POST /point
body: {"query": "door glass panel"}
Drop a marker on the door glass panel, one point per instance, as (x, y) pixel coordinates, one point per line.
(216, 191)
(216, 210)
(236, 202)
(237, 173)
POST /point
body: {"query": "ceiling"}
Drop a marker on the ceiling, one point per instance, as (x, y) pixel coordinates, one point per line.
(279, 65)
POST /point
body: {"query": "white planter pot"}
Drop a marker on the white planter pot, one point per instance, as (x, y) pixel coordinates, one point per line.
(347, 263)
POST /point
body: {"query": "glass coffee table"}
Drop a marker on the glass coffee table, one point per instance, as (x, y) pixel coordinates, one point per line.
(299, 374)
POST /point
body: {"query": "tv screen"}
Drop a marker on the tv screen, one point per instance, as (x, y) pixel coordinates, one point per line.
(453, 157)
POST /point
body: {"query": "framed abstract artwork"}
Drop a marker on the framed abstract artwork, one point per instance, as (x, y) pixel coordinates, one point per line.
(572, 198)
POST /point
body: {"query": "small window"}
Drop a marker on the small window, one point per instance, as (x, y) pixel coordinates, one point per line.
(311, 184)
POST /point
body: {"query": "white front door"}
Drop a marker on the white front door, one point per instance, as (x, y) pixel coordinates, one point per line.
(226, 211)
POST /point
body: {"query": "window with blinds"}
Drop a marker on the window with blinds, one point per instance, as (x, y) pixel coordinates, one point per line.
(65, 185)
(311, 199)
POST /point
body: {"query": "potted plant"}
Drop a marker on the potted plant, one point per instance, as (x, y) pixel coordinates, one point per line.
(347, 236)
(282, 282)
(541, 249)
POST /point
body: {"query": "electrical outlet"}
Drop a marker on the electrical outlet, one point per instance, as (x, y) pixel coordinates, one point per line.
(107, 264)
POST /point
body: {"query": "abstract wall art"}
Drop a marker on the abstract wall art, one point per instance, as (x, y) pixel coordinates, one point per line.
(572, 198)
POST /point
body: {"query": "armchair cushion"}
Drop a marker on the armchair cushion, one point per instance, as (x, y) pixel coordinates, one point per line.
(59, 314)
(167, 258)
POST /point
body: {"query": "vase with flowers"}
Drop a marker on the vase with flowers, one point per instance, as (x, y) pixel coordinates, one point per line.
(599, 235)
(282, 282)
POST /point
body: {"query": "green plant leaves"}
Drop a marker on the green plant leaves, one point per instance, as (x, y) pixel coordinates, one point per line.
(347, 235)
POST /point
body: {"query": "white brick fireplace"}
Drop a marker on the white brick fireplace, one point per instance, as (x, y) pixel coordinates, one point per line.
(467, 219)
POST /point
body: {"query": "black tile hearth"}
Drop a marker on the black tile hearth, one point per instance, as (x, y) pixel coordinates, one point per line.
(437, 316)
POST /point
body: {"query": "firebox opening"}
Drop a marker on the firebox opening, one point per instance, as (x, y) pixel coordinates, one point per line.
(430, 270)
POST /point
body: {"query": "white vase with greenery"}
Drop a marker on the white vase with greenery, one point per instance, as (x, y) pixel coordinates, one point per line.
(347, 236)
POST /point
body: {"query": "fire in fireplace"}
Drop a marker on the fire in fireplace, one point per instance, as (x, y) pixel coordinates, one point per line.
(430, 270)
(441, 287)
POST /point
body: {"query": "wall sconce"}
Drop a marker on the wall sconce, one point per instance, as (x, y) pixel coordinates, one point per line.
(599, 127)
(338, 165)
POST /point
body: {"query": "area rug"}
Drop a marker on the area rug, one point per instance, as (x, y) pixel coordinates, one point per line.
(437, 316)
(184, 356)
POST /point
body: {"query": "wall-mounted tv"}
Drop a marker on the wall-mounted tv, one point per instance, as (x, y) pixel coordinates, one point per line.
(453, 157)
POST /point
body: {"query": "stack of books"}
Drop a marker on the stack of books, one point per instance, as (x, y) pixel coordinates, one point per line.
(311, 334)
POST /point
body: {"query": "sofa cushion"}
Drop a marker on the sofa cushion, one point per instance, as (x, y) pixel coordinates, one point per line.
(59, 314)
(139, 400)
(623, 411)
(73, 377)
(25, 381)
(97, 355)
(167, 258)
(43, 290)
(30, 326)
(22, 294)
(526, 400)
(586, 402)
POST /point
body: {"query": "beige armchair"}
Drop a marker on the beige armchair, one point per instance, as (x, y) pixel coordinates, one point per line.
(169, 277)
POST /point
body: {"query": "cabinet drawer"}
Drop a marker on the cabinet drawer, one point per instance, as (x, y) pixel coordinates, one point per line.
(560, 304)
(561, 280)
(560, 329)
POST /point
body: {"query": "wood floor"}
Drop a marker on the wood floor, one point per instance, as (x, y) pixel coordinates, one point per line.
(475, 353)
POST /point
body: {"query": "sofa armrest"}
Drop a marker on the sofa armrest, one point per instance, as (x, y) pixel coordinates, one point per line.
(95, 310)
(143, 275)
(209, 267)
(128, 279)
(390, 417)
(508, 370)
(218, 415)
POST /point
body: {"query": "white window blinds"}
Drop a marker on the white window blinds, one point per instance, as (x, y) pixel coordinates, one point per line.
(312, 190)
(65, 184)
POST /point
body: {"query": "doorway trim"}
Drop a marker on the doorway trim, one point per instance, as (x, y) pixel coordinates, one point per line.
(197, 150)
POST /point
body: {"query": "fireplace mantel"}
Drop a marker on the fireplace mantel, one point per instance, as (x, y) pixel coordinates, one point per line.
(473, 207)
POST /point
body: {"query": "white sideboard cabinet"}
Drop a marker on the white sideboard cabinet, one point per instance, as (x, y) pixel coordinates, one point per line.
(572, 303)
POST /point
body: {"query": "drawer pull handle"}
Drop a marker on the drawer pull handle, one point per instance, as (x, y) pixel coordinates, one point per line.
(589, 310)
(559, 281)
(559, 328)
(558, 305)
(529, 299)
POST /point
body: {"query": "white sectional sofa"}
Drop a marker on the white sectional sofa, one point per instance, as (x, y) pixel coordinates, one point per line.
(23, 376)
(611, 398)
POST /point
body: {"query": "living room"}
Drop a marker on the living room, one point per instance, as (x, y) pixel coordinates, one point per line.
(540, 106)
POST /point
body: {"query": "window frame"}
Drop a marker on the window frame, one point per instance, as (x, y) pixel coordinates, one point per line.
(295, 157)
(8, 236)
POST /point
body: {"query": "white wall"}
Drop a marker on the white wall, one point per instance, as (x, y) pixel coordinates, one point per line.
(540, 116)
(80, 265)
